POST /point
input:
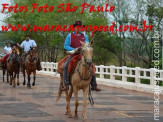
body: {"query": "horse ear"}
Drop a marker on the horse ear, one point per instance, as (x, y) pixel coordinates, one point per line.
(91, 42)
(82, 43)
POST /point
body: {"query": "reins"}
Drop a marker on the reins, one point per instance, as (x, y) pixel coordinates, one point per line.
(29, 61)
(34, 61)
(90, 96)
(90, 76)
(16, 58)
(78, 71)
(89, 92)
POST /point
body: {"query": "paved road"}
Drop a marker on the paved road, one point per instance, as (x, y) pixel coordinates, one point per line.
(38, 104)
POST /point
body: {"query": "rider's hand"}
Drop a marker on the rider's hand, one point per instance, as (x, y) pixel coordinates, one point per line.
(18, 44)
(77, 50)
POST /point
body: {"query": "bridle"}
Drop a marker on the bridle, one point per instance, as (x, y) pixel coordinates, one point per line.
(32, 61)
(90, 72)
(90, 76)
(85, 65)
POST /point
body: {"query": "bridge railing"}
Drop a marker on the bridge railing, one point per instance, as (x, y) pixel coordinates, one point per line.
(112, 73)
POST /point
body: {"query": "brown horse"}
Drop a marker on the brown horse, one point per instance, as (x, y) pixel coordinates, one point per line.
(30, 66)
(4, 68)
(80, 79)
(4, 65)
(13, 68)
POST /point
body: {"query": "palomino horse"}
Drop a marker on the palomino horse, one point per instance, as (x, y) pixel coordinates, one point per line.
(80, 79)
(30, 66)
(13, 68)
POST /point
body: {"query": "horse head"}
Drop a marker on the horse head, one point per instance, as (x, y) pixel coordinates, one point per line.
(33, 53)
(87, 53)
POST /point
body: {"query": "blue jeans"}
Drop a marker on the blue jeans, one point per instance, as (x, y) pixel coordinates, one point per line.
(65, 76)
(9, 58)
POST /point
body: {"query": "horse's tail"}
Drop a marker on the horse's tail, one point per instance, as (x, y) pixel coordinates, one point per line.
(59, 92)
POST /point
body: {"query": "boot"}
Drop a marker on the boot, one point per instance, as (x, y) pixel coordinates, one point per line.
(64, 87)
(95, 88)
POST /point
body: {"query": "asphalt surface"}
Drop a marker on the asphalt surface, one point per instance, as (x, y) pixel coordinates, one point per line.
(37, 104)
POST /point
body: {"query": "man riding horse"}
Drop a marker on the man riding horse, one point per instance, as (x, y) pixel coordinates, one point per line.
(27, 44)
(72, 42)
(7, 50)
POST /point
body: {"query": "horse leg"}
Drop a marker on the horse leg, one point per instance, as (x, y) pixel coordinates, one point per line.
(3, 74)
(34, 78)
(70, 93)
(18, 78)
(29, 84)
(85, 92)
(24, 76)
(14, 78)
(76, 102)
(68, 109)
(7, 77)
(11, 78)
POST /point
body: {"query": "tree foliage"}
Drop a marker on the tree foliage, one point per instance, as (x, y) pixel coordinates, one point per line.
(123, 48)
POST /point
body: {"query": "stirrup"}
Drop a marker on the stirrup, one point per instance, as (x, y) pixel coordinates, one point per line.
(64, 87)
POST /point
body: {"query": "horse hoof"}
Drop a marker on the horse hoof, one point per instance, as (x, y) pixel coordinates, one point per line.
(28, 85)
(76, 116)
(18, 83)
(70, 116)
(66, 113)
(85, 118)
(24, 83)
(33, 84)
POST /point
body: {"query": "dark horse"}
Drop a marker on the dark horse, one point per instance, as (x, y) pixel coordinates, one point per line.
(30, 66)
(4, 66)
(13, 66)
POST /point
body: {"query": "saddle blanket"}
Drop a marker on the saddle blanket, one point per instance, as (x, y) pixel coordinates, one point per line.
(5, 58)
(73, 63)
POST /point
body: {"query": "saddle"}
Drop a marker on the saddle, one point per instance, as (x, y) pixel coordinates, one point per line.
(24, 57)
(5, 58)
(17, 59)
(72, 65)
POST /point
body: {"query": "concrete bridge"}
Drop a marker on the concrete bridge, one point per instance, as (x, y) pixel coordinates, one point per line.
(37, 104)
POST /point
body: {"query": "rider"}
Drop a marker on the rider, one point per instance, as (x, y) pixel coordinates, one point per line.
(27, 44)
(72, 42)
(14, 46)
(7, 50)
